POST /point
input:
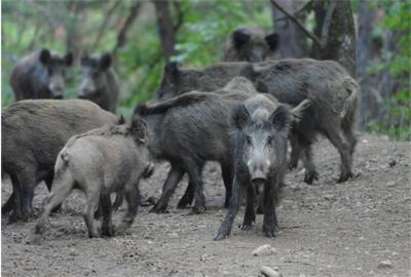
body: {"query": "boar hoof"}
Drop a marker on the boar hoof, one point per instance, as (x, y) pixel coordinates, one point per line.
(269, 232)
(107, 231)
(345, 177)
(310, 177)
(159, 210)
(199, 210)
(183, 204)
(15, 217)
(246, 226)
(220, 236)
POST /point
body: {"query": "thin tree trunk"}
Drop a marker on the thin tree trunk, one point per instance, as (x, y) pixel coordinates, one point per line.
(365, 25)
(103, 26)
(122, 34)
(338, 35)
(165, 28)
(292, 43)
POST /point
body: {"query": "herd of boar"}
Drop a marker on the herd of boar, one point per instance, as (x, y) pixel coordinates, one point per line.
(240, 113)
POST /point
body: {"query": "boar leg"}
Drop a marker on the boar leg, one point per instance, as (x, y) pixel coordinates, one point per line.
(17, 213)
(27, 182)
(49, 183)
(9, 205)
(188, 197)
(295, 152)
(194, 173)
(93, 200)
(225, 228)
(132, 195)
(249, 215)
(174, 176)
(344, 148)
(107, 226)
(118, 201)
(227, 173)
(60, 191)
(310, 171)
(270, 217)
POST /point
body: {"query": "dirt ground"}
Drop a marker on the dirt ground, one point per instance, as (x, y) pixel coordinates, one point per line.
(326, 229)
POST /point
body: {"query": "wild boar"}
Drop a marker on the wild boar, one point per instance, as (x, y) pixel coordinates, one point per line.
(260, 160)
(99, 82)
(33, 133)
(100, 162)
(327, 84)
(40, 75)
(250, 45)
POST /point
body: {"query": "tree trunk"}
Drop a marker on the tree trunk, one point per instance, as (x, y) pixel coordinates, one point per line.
(319, 16)
(122, 34)
(338, 35)
(369, 100)
(165, 28)
(292, 43)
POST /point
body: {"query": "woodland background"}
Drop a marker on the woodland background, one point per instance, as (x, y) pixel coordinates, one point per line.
(144, 35)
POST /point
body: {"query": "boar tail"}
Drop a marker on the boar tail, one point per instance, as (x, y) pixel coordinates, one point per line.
(178, 101)
(349, 111)
(298, 111)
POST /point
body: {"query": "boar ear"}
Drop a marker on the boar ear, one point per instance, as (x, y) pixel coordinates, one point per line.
(240, 117)
(121, 120)
(44, 56)
(139, 129)
(280, 118)
(272, 41)
(171, 69)
(68, 59)
(240, 37)
(105, 61)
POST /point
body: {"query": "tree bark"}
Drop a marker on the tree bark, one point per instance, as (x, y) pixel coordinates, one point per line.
(369, 103)
(292, 43)
(338, 35)
(166, 28)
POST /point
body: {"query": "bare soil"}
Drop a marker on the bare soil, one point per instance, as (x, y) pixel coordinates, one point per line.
(326, 229)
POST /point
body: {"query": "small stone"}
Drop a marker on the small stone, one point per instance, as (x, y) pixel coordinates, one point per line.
(385, 264)
(73, 252)
(391, 184)
(264, 250)
(266, 271)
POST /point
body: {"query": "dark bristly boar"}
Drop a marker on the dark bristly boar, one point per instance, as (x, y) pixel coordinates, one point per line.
(260, 160)
(33, 133)
(100, 162)
(190, 130)
(40, 75)
(251, 45)
(333, 92)
(99, 82)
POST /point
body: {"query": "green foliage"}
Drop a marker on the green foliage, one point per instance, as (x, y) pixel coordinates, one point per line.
(139, 64)
(397, 19)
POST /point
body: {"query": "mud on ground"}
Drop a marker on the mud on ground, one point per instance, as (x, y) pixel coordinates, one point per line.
(327, 229)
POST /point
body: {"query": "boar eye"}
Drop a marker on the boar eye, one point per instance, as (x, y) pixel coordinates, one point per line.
(248, 140)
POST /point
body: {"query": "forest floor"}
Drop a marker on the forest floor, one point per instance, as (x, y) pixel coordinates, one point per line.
(358, 228)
